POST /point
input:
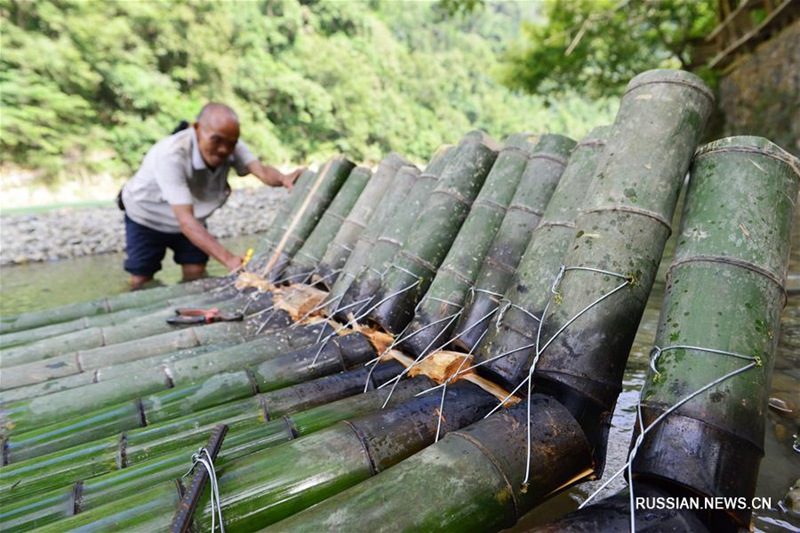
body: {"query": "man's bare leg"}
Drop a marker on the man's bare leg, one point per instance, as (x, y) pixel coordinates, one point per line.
(137, 282)
(193, 271)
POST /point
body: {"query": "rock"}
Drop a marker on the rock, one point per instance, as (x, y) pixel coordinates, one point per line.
(76, 232)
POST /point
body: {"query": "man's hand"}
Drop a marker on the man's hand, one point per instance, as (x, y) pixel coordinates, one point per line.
(272, 176)
(288, 179)
(199, 235)
(233, 263)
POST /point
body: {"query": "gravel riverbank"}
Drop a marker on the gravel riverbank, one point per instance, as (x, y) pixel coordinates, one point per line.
(69, 232)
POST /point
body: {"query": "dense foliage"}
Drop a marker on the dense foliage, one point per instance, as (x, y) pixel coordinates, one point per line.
(597, 46)
(91, 85)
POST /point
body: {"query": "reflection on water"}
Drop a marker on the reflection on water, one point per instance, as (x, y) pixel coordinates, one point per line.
(39, 286)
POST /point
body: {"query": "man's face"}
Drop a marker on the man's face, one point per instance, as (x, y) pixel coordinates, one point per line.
(216, 139)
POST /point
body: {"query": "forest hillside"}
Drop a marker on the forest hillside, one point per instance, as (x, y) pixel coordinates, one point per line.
(87, 87)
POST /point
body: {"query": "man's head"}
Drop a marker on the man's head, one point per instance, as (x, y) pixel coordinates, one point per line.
(217, 130)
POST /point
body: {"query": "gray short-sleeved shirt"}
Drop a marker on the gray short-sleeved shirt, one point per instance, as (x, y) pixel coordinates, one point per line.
(173, 173)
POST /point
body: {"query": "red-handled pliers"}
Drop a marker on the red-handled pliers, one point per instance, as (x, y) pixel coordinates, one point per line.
(202, 316)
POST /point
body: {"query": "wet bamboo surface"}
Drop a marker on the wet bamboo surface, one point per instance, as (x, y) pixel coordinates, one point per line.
(305, 260)
(525, 172)
(734, 268)
(42, 425)
(356, 295)
(525, 222)
(429, 239)
(366, 209)
(159, 454)
(564, 323)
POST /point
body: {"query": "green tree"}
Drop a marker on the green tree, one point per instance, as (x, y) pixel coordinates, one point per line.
(597, 46)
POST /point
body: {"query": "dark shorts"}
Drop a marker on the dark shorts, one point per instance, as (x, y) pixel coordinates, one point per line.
(146, 248)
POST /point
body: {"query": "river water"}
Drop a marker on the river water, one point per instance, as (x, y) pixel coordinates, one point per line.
(42, 285)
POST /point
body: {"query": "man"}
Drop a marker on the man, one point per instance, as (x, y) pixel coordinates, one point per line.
(182, 180)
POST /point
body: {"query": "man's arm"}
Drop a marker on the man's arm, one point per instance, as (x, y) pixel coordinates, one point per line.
(272, 176)
(200, 237)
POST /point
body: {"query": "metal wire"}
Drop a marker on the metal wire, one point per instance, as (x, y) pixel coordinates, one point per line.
(204, 458)
(655, 354)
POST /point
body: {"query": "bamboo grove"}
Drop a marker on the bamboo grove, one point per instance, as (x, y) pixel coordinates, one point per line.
(435, 348)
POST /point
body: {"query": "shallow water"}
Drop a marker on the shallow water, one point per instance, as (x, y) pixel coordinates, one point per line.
(41, 285)
(38, 286)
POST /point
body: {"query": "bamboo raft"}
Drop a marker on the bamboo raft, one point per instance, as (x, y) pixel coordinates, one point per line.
(429, 349)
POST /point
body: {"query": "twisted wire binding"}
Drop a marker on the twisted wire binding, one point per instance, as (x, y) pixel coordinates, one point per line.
(204, 458)
(655, 354)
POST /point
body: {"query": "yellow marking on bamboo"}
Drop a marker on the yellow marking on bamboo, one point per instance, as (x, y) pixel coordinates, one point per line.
(444, 366)
(583, 475)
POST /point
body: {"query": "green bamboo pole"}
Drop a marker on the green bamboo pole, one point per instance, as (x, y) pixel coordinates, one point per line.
(433, 232)
(273, 235)
(20, 481)
(280, 371)
(380, 254)
(529, 287)
(469, 481)
(435, 317)
(724, 295)
(142, 326)
(360, 216)
(145, 379)
(524, 220)
(8, 340)
(622, 232)
(282, 480)
(42, 509)
(648, 120)
(125, 359)
(392, 201)
(309, 255)
(89, 361)
(70, 331)
(336, 172)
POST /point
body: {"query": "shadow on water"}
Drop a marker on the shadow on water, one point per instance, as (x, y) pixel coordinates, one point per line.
(38, 286)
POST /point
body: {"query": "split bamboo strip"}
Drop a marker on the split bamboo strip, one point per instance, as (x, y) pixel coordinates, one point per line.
(320, 195)
(273, 235)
